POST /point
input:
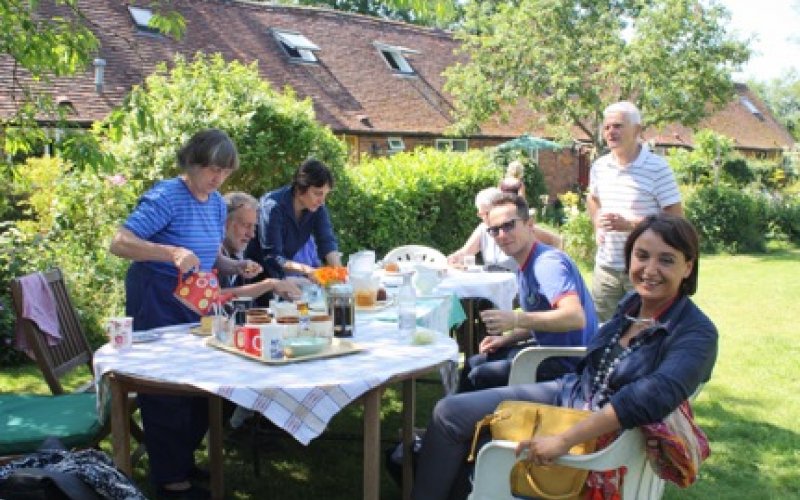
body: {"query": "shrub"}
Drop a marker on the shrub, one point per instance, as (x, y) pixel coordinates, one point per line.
(784, 218)
(737, 173)
(422, 197)
(577, 230)
(728, 219)
(69, 217)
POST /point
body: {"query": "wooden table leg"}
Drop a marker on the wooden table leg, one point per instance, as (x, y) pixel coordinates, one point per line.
(470, 347)
(215, 447)
(372, 444)
(120, 427)
(409, 407)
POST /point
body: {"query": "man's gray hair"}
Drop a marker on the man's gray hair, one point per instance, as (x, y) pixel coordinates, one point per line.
(485, 196)
(628, 109)
(237, 199)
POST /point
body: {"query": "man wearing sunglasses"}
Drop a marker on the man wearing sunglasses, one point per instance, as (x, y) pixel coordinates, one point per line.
(557, 308)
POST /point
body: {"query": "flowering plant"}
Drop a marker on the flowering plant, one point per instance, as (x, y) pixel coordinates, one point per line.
(328, 275)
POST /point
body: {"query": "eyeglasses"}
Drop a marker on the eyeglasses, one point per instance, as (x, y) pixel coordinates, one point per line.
(506, 226)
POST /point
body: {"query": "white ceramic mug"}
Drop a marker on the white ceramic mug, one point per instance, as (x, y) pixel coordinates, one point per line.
(120, 332)
(271, 340)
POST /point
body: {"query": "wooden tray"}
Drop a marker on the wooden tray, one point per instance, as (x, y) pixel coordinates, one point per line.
(338, 347)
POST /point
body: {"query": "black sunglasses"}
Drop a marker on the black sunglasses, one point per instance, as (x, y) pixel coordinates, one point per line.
(506, 226)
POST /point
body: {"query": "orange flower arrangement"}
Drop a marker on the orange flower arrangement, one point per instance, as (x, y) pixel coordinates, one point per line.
(328, 275)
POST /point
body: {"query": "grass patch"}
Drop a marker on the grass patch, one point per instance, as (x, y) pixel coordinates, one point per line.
(749, 408)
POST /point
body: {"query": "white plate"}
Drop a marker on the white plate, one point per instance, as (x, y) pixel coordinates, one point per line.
(379, 306)
(146, 336)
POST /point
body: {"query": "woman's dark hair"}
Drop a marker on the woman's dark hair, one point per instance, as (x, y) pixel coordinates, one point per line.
(311, 173)
(207, 148)
(676, 232)
(523, 212)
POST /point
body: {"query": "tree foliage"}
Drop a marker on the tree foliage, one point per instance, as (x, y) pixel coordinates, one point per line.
(782, 95)
(274, 131)
(704, 163)
(568, 59)
(425, 12)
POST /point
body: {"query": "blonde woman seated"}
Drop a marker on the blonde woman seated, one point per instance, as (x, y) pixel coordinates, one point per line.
(513, 181)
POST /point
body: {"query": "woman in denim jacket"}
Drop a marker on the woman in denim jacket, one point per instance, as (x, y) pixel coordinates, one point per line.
(650, 357)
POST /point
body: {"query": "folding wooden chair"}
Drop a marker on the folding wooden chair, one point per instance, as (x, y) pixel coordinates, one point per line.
(73, 351)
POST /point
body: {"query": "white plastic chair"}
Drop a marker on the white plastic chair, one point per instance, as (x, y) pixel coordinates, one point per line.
(495, 459)
(417, 254)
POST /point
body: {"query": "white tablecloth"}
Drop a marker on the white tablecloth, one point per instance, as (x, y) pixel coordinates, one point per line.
(300, 397)
(499, 287)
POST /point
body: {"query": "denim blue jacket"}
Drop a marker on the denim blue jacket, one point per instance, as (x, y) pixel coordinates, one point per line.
(677, 355)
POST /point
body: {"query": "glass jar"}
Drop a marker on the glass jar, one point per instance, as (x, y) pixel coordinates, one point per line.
(342, 308)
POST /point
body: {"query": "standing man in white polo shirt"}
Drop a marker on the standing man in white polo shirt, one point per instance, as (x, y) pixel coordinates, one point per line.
(625, 185)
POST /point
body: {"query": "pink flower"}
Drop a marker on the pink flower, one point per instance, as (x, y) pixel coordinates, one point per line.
(117, 180)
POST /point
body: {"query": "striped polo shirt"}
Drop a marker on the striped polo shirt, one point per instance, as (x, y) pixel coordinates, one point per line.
(639, 189)
(169, 214)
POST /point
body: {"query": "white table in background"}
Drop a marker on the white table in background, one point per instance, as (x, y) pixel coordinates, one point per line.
(499, 287)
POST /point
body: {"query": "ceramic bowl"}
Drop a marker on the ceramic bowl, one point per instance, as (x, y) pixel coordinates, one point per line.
(304, 346)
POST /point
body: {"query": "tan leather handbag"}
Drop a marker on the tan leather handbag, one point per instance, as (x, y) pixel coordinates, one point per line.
(522, 420)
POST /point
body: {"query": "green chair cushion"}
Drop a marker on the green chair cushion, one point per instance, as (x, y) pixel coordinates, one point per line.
(26, 420)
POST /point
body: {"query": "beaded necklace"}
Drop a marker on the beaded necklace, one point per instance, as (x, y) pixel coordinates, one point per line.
(613, 354)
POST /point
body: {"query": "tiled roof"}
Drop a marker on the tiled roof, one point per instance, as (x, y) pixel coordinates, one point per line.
(749, 130)
(353, 88)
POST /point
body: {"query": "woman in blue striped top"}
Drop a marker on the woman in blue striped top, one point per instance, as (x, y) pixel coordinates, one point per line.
(178, 225)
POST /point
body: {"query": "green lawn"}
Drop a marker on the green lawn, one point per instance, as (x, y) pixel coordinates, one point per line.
(749, 409)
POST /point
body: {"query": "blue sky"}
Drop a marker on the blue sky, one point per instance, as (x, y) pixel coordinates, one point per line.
(775, 24)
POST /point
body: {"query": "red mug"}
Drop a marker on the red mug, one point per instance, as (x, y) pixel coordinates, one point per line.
(248, 339)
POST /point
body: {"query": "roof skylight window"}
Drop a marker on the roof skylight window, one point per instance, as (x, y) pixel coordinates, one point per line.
(296, 45)
(747, 103)
(394, 55)
(142, 18)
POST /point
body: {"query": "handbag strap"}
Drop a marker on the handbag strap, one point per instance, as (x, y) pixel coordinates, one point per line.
(488, 419)
(493, 417)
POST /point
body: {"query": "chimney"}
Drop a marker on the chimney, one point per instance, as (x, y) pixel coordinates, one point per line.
(99, 78)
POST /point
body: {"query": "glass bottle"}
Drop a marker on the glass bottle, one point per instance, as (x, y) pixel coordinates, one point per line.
(407, 308)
